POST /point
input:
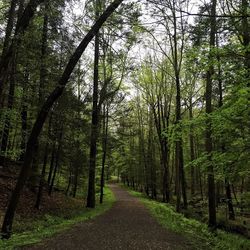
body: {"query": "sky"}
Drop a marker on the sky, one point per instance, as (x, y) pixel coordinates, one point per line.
(139, 51)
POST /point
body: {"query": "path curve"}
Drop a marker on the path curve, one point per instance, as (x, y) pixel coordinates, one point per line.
(127, 226)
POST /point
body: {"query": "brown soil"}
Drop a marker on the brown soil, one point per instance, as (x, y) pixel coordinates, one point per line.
(55, 204)
(127, 225)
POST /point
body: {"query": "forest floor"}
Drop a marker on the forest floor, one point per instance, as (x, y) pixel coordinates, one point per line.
(127, 225)
(56, 204)
(57, 213)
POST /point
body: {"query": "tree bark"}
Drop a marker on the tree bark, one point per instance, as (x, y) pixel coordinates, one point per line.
(43, 74)
(246, 37)
(58, 151)
(208, 141)
(192, 153)
(7, 124)
(52, 160)
(42, 177)
(44, 46)
(24, 117)
(104, 148)
(95, 121)
(227, 183)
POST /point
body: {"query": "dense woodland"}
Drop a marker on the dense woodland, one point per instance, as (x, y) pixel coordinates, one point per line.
(152, 92)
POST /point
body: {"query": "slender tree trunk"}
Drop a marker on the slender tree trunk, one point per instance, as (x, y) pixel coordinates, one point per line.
(41, 184)
(177, 181)
(192, 153)
(69, 182)
(200, 184)
(104, 143)
(44, 48)
(42, 177)
(24, 117)
(51, 163)
(151, 160)
(164, 151)
(95, 119)
(76, 173)
(54, 172)
(208, 141)
(58, 151)
(227, 184)
(94, 131)
(43, 74)
(181, 183)
(229, 200)
(7, 124)
(246, 37)
(180, 174)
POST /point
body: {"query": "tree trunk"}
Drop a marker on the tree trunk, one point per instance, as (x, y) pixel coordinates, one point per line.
(192, 153)
(24, 116)
(164, 152)
(7, 124)
(180, 174)
(181, 183)
(69, 182)
(104, 148)
(95, 119)
(43, 73)
(52, 160)
(229, 200)
(44, 46)
(75, 181)
(42, 177)
(58, 151)
(227, 184)
(246, 37)
(41, 184)
(208, 141)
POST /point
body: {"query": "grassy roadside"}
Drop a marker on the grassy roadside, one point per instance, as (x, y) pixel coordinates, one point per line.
(51, 225)
(193, 230)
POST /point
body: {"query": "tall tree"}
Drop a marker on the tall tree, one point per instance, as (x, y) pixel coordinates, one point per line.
(95, 118)
(209, 142)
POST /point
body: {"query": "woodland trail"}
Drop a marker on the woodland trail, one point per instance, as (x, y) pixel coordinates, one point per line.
(127, 225)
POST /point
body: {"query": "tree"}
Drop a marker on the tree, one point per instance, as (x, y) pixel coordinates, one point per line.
(21, 26)
(95, 117)
(209, 143)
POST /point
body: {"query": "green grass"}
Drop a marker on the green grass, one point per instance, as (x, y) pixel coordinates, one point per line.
(196, 232)
(51, 224)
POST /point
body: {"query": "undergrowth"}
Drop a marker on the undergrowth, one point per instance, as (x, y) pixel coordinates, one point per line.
(49, 225)
(197, 232)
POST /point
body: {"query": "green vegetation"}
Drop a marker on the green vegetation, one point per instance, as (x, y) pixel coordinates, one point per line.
(194, 230)
(50, 225)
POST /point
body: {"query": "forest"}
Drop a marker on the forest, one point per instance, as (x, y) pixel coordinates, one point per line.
(151, 94)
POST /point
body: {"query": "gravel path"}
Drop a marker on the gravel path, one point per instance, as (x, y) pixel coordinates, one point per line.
(127, 225)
